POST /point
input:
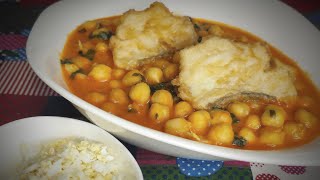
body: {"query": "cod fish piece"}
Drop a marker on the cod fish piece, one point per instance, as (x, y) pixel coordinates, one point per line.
(218, 71)
(154, 32)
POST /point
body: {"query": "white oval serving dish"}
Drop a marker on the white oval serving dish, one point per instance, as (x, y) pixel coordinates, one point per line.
(273, 21)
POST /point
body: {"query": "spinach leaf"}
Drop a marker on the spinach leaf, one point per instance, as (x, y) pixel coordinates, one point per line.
(102, 35)
(239, 141)
(143, 79)
(89, 54)
(66, 61)
(73, 75)
(235, 120)
(156, 116)
(217, 108)
(166, 86)
(196, 26)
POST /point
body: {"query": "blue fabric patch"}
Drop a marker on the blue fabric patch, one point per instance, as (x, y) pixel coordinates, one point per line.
(197, 168)
(13, 55)
(25, 32)
(314, 17)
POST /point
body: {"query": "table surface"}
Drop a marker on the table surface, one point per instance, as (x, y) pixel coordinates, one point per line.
(23, 94)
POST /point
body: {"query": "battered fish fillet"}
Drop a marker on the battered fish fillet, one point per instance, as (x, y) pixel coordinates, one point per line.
(142, 35)
(219, 70)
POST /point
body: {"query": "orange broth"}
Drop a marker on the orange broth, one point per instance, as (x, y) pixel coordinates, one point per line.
(82, 86)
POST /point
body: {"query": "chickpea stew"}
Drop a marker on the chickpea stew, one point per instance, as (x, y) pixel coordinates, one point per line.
(147, 94)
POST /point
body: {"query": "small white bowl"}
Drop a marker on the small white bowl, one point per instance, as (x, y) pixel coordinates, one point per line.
(34, 131)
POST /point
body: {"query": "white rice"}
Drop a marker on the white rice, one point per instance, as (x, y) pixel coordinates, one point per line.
(72, 158)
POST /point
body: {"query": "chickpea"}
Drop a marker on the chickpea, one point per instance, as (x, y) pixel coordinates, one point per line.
(216, 30)
(161, 63)
(100, 72)
(294, 130)
(248, 135)
(171, 71)
(71, 68)
(84, 47)
(271, 137)
(200, 121)
(273, 116)
(80, 76)
(118, 73)
(182, 109)
(253, 122)
(82, 62)
(115, 84)
(137, 108)
(163, 97)
(159, 112)
(102, 47)
(110, 107)
(132, 77)
(306, 118)
(177, 126)
(118, 96)
(95, 98)
(154, 75)
(89, 25)
(221, 134)
(80, 46)
(239, 109)
(220, 116)
(140, 93)
(255, 106)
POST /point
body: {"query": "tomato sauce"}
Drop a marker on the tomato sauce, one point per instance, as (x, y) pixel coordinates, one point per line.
(308, 94)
